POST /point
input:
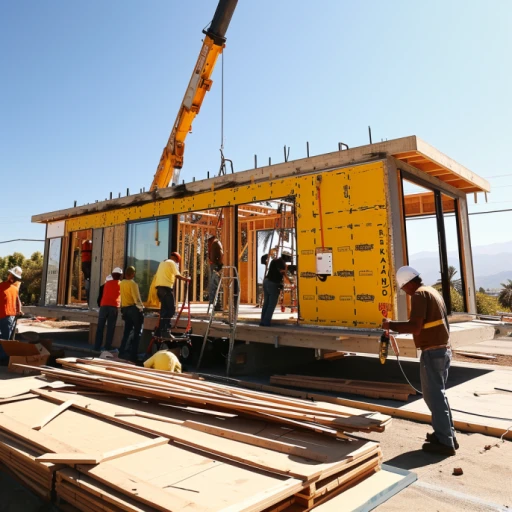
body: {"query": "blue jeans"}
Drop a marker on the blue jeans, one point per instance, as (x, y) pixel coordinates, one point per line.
(107, 315)
(6, 331)
(434, 366)
(271, 291)
(133, 320)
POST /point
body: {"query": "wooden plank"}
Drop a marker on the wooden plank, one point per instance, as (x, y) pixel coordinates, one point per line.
(144, 445)
(278, 446)
(70, 458)
(74, 458)
(463, 426)
(75, 479)
(58, 410)
(230, 449)
(266, 498)
(19, 398)
(108, 252)
(474, 355)
(34, 437)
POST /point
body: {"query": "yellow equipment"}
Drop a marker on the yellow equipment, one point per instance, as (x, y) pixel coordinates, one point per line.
(164, 360)
(200, 83)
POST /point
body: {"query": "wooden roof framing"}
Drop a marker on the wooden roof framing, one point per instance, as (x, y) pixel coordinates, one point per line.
(411, 150)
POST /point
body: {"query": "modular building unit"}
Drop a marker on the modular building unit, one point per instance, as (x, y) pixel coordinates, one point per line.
(348, 220)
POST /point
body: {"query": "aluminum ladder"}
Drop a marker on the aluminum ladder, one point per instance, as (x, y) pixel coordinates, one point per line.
(230, 284)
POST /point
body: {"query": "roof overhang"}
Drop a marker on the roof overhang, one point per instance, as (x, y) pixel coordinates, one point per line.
(428, 159)
(411, 150)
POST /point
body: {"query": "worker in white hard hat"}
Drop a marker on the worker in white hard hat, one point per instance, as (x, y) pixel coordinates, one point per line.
(109, 308)
(428, 323)
(10, 305)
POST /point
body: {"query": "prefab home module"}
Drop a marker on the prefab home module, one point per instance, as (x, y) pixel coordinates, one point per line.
(349, 219)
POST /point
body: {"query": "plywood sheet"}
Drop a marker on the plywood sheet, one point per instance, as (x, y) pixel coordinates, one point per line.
(20, 386)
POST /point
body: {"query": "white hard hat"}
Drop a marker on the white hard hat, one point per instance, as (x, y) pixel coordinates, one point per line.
(16, 272)
(108, 278)
(405, 275)
(117, 270)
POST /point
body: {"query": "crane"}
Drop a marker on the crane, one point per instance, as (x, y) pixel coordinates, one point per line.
(200, 83)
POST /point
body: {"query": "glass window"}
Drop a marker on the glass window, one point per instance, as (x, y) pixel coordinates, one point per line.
(148, 245)
(52, 272)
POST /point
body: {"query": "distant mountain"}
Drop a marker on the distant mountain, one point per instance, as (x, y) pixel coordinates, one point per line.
(492, 264)
(493, 281)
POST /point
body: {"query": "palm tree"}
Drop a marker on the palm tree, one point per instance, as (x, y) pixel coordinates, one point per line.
(505, 296)
(455, 284)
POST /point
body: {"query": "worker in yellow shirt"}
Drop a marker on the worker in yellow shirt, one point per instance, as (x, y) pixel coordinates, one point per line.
(132, 312)
(164, 360)
(166, 275)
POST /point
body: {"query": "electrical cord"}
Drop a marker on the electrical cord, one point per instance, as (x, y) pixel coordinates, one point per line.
(391, 337)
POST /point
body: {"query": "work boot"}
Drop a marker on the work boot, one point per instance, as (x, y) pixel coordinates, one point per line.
(439, 448)
(432, 438)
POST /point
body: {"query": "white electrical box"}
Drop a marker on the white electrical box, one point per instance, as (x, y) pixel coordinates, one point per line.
(324, 261)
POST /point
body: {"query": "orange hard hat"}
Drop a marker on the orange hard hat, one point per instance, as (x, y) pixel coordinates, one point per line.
(177, 256)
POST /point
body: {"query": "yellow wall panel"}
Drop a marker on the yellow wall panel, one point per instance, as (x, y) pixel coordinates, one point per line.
(354, 217)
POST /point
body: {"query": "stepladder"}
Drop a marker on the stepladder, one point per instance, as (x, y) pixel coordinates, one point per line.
(229, 286)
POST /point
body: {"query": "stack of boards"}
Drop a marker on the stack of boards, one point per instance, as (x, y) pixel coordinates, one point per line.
(113, 437)
(366, 388)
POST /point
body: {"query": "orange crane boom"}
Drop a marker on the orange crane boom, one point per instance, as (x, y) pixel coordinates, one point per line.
(200, 83)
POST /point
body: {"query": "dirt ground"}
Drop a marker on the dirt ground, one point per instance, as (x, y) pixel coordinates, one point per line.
(484, 486)
(500, 360)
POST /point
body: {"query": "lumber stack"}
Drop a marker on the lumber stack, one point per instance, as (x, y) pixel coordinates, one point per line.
(371, 389)
(189, 391)
(18, 459)
(93, 448)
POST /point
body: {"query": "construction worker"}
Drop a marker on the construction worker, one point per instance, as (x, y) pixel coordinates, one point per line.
(132, 312)
(428, 323)
(86, 258)
(109, 304)
(164, 360)
(165, 277)
(272, 286)
(216, 261)
(10, 306)
(100, 293)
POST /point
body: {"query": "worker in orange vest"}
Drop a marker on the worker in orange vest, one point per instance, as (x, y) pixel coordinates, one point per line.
(109, 306)
(10, 305)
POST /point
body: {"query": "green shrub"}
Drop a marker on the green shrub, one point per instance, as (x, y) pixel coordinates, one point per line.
(487, 305)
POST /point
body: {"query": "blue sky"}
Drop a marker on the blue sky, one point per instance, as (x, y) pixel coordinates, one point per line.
(90, 91)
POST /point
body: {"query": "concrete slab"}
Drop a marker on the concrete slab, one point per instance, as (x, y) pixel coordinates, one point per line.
(464, 333)
(498, 346)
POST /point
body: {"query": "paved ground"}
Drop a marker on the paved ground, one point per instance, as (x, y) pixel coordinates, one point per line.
(502, 345)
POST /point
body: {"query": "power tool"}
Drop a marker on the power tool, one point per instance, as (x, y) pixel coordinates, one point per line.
(384, 347)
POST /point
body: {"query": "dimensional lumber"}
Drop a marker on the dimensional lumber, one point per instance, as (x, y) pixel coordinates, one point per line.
(356, 387)
(58, 410)
(396, 412)
(155, 474)
(254, 456)
(124, 379)
(474, 355)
